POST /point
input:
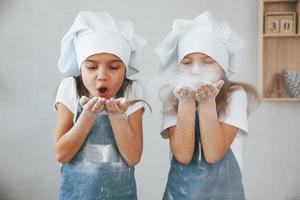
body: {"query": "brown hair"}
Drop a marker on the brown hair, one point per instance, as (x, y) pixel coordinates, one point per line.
(170, 105)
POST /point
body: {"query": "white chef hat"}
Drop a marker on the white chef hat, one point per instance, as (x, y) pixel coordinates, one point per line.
(93, 33)
(202, 34)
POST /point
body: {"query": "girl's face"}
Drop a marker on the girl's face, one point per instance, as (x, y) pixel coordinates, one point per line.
(200, 67)
(103, 75)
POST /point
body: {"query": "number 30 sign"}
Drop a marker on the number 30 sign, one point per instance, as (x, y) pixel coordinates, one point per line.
(280, 22)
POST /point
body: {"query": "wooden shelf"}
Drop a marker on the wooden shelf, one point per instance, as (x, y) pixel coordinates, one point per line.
(280, 1)
(281, 35)
(278, 50)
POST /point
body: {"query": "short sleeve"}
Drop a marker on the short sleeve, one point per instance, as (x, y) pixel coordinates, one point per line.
(135, 92)
(67, 94)
(237, 114)
(167, 122)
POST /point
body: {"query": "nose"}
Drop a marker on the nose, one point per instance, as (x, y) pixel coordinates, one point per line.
(102, 74)
(196, 70)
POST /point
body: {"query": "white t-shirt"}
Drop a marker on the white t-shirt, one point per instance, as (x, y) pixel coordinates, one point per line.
(237, 116)
(67, 94)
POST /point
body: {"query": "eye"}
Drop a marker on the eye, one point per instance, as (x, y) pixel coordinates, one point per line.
(91, 65)
(114, 67)
(209, 60)
(186, 61)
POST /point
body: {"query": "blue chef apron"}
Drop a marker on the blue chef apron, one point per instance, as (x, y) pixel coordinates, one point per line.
(97, 171)
(200, 180)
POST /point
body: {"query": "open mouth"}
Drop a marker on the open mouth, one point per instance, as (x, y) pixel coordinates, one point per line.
(102, 90)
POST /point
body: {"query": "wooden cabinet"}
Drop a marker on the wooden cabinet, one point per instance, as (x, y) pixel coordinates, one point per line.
(279, 46)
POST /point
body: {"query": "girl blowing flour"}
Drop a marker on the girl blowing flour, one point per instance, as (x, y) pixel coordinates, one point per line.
(205, 114)
(98, 135)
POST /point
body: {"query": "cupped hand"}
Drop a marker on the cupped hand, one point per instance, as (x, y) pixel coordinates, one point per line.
(184, 93)
(116, 106)
(93, 105)
(208, 91)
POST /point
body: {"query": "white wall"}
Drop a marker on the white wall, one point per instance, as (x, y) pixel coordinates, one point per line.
(30, 33)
